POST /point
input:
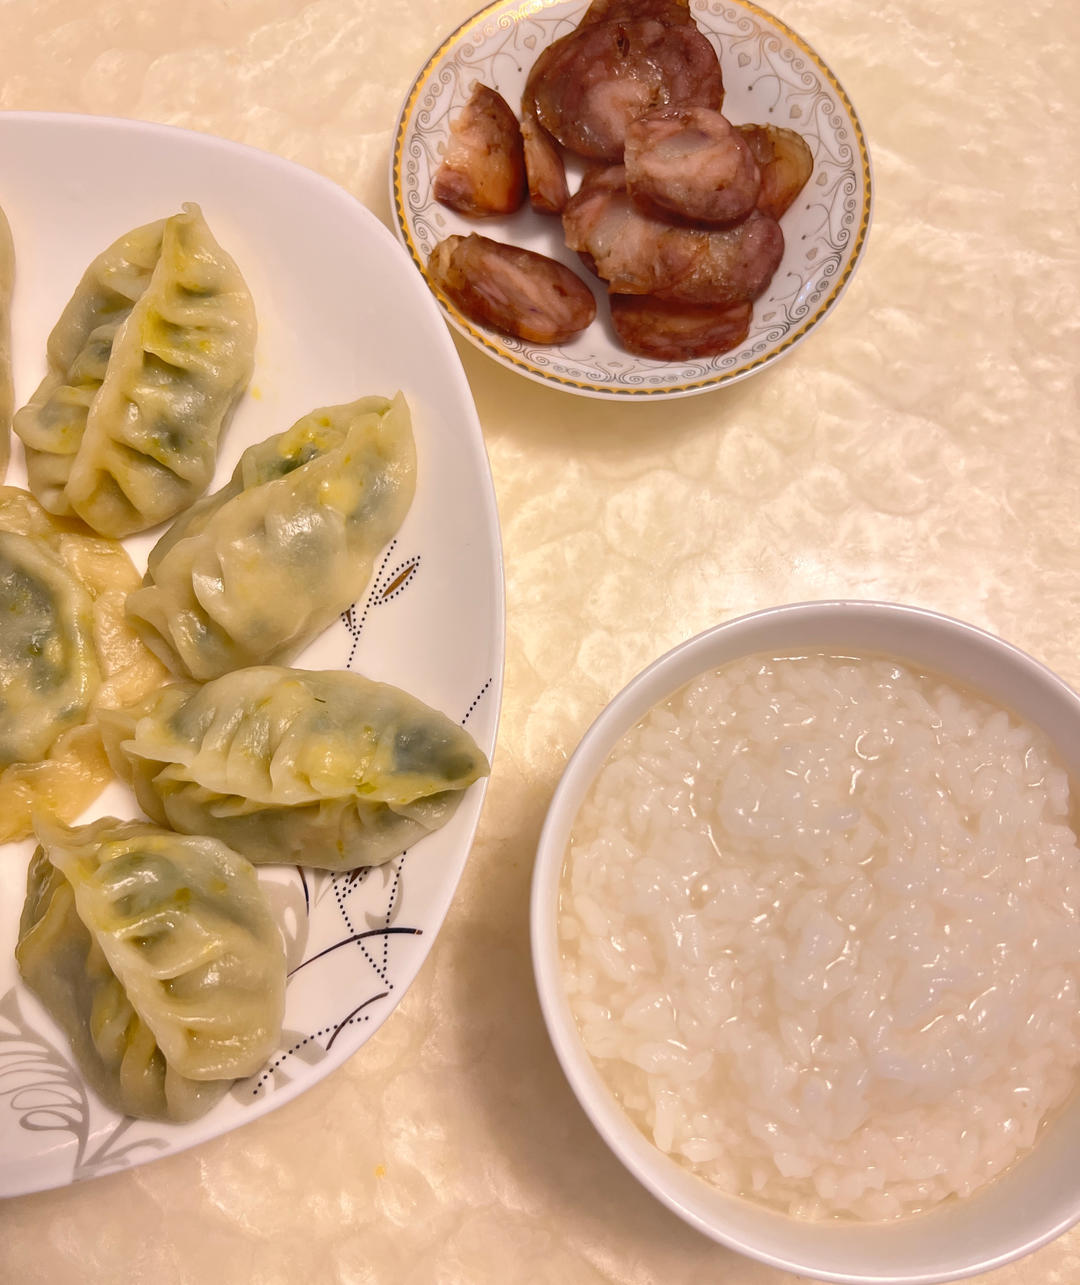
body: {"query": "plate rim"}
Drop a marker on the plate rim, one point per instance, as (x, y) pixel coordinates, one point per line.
(487, 341)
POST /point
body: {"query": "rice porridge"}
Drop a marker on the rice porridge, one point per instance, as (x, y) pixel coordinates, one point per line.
(819, 932)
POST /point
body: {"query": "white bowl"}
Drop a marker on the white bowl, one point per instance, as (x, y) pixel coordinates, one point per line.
(1028, 1205)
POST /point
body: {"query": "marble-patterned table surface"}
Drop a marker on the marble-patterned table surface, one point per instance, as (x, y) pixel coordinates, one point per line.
(922, 445)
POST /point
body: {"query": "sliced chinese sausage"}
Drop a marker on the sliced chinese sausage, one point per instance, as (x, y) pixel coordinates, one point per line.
(637, 254)
(668, 331)
(670, 12)
(691, 163)
(483, 169)
(544, 168)
(589, 85)
(633, 253)
(736, 264)
(785, 161)
(514, 290)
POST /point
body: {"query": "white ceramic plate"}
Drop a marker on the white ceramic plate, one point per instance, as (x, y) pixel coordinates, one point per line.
(771, 76)
(341, 314)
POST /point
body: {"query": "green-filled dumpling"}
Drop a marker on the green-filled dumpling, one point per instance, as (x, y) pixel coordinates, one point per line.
(48, 668)
(158, 956)
(256, 570)
(317, 768)
(145, 365)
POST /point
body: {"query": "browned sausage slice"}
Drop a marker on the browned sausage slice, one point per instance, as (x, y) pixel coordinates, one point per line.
(669, 331)
(691, 163)
(544, 168)
(633, 253)
(637, 254)
(589, 85)
(736, 264)
(669, 12)
(483, 169)
(515, 290)
(785, 161)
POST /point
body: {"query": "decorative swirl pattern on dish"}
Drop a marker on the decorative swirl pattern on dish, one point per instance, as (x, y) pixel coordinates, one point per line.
(45, 1091)
(771, 76)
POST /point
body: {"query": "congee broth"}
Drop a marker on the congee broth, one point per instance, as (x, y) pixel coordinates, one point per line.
(818, 927)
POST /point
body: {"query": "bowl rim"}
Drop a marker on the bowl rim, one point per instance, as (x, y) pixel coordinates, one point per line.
(673, 1185)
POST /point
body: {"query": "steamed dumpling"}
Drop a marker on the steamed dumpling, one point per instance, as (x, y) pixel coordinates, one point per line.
(7, 282)
(319, 768)
(66, 650)
(53, 424)
(145, 364)
(48, 670)
(255, 571)
(157, 955)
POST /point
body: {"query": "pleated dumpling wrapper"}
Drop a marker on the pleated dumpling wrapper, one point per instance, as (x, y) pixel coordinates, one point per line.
(157, 955)
(66, 651)
(7, 395)
(256, 570)
(316, 768)
(144, 366)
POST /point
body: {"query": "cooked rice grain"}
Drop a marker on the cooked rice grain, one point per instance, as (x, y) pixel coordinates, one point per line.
(819, 926)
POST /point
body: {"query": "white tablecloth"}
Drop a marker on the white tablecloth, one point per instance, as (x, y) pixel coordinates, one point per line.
(923, 444)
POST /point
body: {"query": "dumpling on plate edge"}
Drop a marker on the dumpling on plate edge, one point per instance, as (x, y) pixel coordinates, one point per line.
(252, 573)
(319, 768)
(48, 670)
(145, 364)
(66, 650)
(158, 956)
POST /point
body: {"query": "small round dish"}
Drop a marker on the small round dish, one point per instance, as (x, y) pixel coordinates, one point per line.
(1034, 1200)
(771, 76)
